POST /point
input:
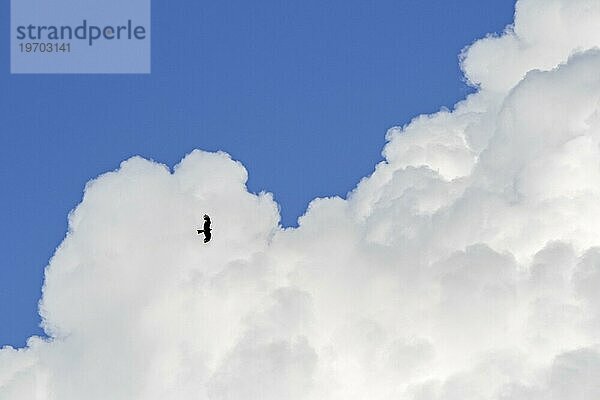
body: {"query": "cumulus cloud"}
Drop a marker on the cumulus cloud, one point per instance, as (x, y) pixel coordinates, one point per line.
(466, 267)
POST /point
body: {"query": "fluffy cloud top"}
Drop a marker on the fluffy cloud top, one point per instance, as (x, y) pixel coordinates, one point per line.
(463, 268)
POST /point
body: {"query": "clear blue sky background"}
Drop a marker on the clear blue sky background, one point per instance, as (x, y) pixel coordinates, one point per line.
(302, 92)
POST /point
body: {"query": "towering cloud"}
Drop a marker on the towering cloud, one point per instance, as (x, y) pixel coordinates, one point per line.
(464, 268)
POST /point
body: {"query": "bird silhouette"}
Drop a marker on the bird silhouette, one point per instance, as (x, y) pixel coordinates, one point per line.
(206, 229)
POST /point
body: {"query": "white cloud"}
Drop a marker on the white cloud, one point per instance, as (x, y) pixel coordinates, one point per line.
(463, 268)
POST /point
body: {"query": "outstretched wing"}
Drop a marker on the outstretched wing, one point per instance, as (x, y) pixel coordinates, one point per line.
(207, 224)
(207, 236)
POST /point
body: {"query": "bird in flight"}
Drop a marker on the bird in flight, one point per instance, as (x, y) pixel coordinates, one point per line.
(206, 229)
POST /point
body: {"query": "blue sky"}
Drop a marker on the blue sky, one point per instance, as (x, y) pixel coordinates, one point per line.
(301, 92)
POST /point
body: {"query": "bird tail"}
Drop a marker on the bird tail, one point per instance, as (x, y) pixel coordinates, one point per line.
(200, 231)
